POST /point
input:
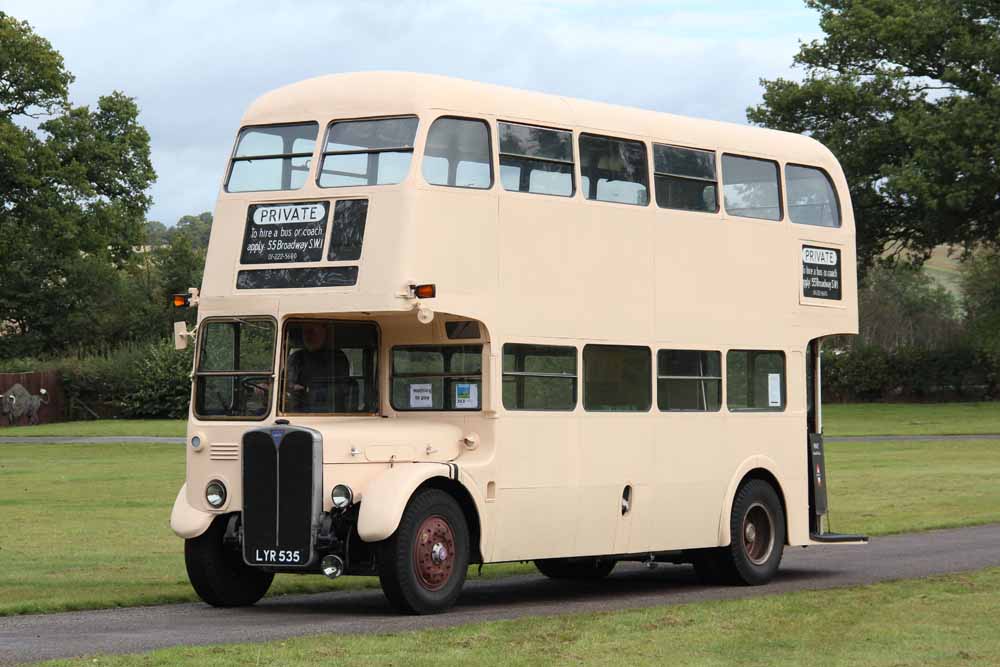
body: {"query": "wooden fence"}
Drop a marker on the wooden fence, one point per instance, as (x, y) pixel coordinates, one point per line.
(51, 381)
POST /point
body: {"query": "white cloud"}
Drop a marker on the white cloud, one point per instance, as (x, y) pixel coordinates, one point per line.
(195, 66)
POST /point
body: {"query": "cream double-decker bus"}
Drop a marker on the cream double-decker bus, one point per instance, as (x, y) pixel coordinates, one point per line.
(446, 323)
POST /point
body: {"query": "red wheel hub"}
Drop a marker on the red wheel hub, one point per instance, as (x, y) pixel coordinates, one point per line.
(434, 553)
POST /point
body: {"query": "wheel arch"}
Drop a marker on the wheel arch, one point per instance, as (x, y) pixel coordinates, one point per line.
(464, 498)
(386, 497)
(757, 467)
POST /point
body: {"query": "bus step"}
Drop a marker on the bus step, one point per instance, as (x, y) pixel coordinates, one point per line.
(834, 538)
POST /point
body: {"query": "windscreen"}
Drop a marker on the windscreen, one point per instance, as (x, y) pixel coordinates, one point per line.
(330, 367)
(235, 369)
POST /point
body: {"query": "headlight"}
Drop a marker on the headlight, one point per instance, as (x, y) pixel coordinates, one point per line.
(341, 496)
(195, 443)
(215, 493)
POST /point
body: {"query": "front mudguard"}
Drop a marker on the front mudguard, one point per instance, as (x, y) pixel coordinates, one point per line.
(186, 521)
(385, 497)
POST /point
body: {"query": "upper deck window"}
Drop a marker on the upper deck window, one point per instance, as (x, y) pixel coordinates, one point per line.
(272, 157)
(685, 178)
(536, 159)
(367, 152)
(614, 170)
(811, 197)
(457, 154)
(750, 186)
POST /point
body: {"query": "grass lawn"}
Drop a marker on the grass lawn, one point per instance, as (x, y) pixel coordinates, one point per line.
(104, 427)
(939, 621)
(911, 418)
(86, 526)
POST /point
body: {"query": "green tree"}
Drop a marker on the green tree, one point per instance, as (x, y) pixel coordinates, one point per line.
(906, 93)
(73, 197)
(981, 287)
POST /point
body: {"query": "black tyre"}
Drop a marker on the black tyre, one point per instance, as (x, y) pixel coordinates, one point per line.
(422, 566)
(575, 568)
(217, 571)
(756, 540)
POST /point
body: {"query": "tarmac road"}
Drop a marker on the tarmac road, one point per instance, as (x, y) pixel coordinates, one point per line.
(28, 638)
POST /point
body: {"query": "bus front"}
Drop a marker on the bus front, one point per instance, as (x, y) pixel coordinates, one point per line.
(330, 400)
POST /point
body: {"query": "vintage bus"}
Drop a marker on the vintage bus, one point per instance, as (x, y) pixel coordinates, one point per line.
(446, 323)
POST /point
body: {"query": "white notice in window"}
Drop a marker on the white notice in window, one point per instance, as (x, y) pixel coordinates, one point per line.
(466, 396)
(774, 390)
(421, 396)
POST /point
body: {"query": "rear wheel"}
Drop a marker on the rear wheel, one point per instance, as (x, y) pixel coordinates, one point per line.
(422, 566)
(217, 571)
(756, 540)
(575, 568)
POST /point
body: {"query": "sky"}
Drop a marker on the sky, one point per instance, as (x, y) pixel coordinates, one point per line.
(194, 67)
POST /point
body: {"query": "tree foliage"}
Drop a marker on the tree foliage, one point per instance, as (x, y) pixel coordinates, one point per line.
(906, 93)
(73, 198)
(981, 286)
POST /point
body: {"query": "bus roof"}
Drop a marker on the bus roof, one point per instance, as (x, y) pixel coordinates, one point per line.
(388, 93)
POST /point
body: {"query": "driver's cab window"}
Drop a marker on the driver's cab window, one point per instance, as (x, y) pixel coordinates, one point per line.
(235, 368)
(329, 367)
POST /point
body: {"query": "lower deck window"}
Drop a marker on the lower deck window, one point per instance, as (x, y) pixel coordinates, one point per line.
(539, 377)
(437, 377)
(755, 380)
(616, 378)
(330, 367)
(689, 380)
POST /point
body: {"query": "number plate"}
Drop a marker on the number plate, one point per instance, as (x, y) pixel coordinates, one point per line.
(278, 557)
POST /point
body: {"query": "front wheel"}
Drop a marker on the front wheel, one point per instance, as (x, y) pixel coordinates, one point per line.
(422, 566)
(217, 571)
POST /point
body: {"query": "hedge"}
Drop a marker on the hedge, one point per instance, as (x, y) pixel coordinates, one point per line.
(133, 380)
(868, 373)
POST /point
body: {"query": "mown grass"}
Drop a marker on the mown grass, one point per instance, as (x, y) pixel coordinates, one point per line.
(103, 427)
(940, 621)
(86, 526)
(911, 419)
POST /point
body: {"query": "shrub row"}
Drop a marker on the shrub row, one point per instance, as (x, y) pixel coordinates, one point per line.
(870, 373)
(134, 380)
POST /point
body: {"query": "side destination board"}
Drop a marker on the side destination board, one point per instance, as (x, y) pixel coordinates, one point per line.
(280, 233)
(821, 277)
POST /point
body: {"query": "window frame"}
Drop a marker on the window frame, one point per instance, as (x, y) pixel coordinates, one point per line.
(784, 380)
(833, 187)
(572, 163)
(483, 364)
(646, 155)
(283, 368)
(780, 182)
(525, 374)
(649, 379)
(716, 164)
(323, 154)
(489, 148)
(693, 378)
(233, 158)
(200, 373)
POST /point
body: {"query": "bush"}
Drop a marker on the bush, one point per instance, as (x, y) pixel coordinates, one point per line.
(161, 386)
(133, 380)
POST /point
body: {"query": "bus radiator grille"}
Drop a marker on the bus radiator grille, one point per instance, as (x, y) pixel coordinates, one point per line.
(279, 496)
